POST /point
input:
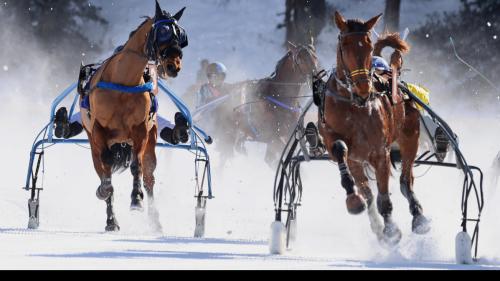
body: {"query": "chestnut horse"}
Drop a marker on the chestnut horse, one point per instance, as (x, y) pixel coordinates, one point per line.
(360, 125)
(121, 127)
(270, 107)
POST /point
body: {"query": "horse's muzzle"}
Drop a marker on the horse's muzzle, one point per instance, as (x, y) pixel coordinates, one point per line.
(172, 70)
(362, 91)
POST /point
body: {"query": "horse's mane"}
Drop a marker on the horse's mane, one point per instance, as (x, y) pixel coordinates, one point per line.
(281, 62)
(309, 48)
(143, 23)
(392, 40)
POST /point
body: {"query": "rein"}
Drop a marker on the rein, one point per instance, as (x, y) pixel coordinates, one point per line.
(283, 105)
(286, 83)
(264, 100)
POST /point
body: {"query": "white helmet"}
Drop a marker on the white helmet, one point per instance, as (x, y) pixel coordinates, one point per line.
(216, 73)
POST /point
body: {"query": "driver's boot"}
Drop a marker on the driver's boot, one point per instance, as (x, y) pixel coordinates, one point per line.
(316, 147)
(180, 132)
(61, 122)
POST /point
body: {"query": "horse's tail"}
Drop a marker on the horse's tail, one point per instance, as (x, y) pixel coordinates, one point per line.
(118, 157)
(392, 40)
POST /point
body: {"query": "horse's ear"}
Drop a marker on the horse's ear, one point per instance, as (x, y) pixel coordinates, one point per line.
(159, 11)
(371, 23)
(179, 14)
(340, 21)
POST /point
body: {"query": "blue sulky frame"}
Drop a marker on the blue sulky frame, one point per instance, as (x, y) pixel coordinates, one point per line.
(197, 145)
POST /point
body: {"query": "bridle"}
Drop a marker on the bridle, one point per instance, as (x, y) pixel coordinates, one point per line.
(350, 77)
(165, 31)
(296, 60)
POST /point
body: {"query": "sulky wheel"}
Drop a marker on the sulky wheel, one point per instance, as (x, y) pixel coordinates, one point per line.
(33, 211)
(291, 231)
(278, 239)
(463, 248)
(200, 214)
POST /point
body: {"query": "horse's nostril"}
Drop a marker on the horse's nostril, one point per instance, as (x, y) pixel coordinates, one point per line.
(171, 67)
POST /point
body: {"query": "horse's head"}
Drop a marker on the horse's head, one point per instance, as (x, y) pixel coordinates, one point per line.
(301, 60)
(355, 51)
(166, 41)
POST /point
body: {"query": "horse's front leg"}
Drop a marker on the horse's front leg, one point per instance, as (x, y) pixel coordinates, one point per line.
(355, 203)
(137, 195)
(382, 165)
(362, 182)
(139, 139)
(103, 167)
(149, 179)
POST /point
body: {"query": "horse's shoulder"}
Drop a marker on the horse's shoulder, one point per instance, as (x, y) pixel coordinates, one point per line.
(331, 83)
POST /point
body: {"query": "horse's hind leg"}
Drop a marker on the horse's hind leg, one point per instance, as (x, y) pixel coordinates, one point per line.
(382, 166)
(363, 185)
(149, 179)
(409, 147)
(355, 203)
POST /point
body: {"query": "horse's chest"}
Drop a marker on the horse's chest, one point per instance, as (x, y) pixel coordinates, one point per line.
(362, 128)
(120, 108)
(351, 120)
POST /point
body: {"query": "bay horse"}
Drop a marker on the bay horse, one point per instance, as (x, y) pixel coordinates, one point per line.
(121, 127)
(360, 125)
(270, 108)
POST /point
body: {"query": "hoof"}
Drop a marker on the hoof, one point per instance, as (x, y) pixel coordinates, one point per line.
(355, 204)
(104, 192)
(421, 225)
(156, 227)
(137, 205)
(112, 228)
(154, 220)
(392, 234)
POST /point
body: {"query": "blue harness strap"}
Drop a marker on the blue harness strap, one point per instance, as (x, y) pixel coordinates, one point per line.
(154, 103)
(148, 87)
(85, 103)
